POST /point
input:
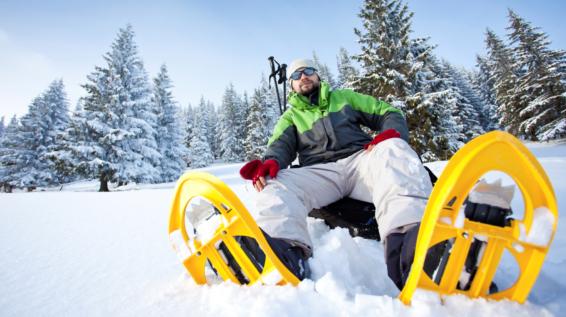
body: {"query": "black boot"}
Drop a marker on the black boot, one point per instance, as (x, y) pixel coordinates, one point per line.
(400, 252)
(292, 256)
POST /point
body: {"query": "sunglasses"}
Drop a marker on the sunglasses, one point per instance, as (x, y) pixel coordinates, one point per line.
(308, 71)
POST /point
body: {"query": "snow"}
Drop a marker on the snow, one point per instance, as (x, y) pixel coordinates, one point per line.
(80, 252)
(541, 228)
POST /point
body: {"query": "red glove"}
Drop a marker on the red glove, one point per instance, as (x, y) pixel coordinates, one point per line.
(387, 134)
(254, 169)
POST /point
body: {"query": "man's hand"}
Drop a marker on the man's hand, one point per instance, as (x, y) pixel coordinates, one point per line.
(260, 183)
(256, 171)
(387, 134)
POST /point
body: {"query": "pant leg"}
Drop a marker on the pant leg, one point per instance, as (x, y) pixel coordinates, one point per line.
(391, 176)
(283, 206)
(399, 253)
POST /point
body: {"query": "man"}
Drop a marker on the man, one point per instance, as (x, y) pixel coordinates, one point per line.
(338, 160)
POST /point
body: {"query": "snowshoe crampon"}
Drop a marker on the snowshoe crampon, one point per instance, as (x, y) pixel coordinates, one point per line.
(522, 238)
(210, 227)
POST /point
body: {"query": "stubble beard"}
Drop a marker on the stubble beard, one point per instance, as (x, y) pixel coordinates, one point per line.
(308, 91)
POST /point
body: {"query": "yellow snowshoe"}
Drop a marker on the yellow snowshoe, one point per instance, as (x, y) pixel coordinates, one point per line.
(472, 233)
(210, 227)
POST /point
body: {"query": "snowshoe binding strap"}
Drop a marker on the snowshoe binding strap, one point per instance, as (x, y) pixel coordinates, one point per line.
(442, 221)
(221, 248)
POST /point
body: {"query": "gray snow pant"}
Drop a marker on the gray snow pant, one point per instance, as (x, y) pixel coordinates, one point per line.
(391, 176)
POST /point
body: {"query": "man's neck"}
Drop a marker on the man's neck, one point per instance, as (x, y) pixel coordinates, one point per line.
(313, 96)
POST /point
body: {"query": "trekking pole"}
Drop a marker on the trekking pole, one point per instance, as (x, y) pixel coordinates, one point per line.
(283, 80)
(274, 72)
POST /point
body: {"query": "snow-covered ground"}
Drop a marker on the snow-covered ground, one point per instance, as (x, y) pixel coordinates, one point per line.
(79, 252)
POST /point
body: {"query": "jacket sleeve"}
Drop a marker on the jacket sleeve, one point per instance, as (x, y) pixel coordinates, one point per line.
(282, 145)
(378, 115)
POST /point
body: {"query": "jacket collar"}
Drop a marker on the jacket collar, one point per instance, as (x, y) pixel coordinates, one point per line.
(302, 102)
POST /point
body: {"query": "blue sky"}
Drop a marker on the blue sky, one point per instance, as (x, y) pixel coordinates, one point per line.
(208, 44)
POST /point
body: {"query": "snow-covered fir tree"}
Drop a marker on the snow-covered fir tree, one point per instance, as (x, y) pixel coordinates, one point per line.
(32, 171)
(117, 120)
(505, 76)
(484, 83)
(256, 122)
(212, 120)
(56, 121)
(2, 126)
(433, 132)
(169, 136)
(540, 87)
(9, 156)
(323, 71)
(199, 148)
(39, 133)
(243, 115)
(399, 70)
(66, 156)
(468, 104)
(474, 95)
(189, 118)
(92, 138)
(231, 148)
(386, 59)
(347, 73)
(271, 105)
(130, 101)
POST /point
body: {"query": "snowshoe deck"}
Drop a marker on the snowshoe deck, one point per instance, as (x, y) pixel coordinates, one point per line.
(221, 248)
(494, 151)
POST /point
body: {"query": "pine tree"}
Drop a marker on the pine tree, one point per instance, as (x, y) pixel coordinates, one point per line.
(347, 73)
(271, 105)
(55, 122)
(9, 161)
(169, 135)
(212, 120)
(189, 117)
(63, 157)
(484, 84)
(230, 145)
(386, 57)
(2, 126)
(199, 146)
(92, 135)
(433, 132)
(136, 158)
(505, 77)
(403, 72)
(32, 171)
(243, 130)
(540, 86)
(114, 129)
(39, 133)
(323, 71)
(256, 139)
(468, 105)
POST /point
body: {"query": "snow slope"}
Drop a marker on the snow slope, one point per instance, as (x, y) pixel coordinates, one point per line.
(80, 252)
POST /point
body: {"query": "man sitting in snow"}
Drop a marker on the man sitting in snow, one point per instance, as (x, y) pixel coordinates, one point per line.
(338, 160)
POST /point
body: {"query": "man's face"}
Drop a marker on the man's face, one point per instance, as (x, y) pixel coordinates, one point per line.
(305, 85)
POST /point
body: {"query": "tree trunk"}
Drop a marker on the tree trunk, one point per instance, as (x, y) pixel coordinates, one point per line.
(103, 183)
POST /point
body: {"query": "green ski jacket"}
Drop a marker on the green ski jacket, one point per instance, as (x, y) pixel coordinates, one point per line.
(331, 129)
